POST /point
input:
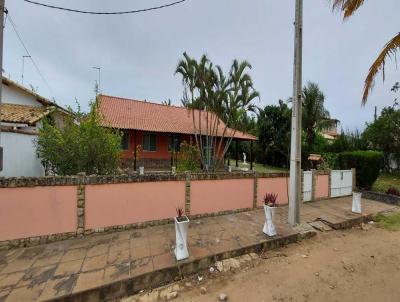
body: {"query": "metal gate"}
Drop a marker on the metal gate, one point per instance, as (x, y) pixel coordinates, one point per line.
(307, 185)
(341, 183)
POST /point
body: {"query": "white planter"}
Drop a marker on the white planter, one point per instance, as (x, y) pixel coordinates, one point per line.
(141, 170)
(230, 169)
(181, 230)
(269, 227)
(356, 207)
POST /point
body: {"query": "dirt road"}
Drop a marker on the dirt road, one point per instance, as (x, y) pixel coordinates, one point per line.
(351, 265)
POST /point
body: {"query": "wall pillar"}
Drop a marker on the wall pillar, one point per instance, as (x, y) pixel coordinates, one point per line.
(313, 183)
(354, 179)
(187, 193)
(80, 210)
(330, 183)
(255, 187)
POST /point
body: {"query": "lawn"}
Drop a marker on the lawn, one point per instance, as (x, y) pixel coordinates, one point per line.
(385, 181)
(259, 167)
(389, 221)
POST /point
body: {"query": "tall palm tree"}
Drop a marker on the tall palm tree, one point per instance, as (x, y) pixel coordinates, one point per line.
(315, 116)
(349, 7)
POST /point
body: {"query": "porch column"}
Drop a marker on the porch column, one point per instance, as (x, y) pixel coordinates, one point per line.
(251, 155)
(134, 150)
(237, 153)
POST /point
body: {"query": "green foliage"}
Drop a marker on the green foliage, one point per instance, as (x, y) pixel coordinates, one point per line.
(388, 221)
(188, 158)
(273, 127)
(81, 146)
(367, 164)
(315, 117)
(386, 181)
(216, 97)
(384, 134)
(349, 141)
(330, 161)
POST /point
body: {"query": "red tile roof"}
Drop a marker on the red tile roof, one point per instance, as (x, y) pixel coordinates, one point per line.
(125, 113)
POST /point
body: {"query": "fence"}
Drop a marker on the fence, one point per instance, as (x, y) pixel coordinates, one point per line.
(39, 210)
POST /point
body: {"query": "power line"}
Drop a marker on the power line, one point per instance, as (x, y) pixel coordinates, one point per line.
(28, 53)
(106, 13)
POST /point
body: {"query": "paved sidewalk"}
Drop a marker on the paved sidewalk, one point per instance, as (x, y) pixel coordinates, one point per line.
(116, 264)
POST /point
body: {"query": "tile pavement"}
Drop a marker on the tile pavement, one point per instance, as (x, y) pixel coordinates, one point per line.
(65, 268)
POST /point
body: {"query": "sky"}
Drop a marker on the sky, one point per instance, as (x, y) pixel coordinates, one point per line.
(138, 53)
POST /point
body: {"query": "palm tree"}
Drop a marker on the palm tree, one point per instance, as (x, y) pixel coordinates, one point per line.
(315, 116)
(214, 97)
(349, 7)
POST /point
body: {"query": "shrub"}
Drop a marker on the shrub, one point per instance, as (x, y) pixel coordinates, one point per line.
(393, 191)
(188, 158)
(367, 164)
(330, 161)
(82, 145)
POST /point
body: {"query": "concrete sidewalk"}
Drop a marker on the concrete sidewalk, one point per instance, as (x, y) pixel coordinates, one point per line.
(113, 265)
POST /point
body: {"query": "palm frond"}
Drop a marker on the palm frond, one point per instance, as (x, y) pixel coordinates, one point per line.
(390, 49)
(348, 7)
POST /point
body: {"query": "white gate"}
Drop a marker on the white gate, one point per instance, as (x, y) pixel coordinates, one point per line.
(307, 185)
(341, 183)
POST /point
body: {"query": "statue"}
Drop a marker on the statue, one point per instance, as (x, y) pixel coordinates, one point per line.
(244, 158)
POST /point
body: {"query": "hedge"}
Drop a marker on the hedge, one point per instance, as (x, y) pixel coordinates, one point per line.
(367, 164)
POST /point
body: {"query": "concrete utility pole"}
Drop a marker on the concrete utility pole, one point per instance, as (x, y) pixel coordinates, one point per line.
(295, 148)
(97, 89)
(2, 8)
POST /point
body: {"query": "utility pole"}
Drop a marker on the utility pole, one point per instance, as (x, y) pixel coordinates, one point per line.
(97, 89)
(23, 68)
(2, 10)
(295, 148)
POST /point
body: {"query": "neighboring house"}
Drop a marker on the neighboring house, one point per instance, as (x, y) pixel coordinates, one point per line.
(331, 133)
(22, 112)
(158, 129)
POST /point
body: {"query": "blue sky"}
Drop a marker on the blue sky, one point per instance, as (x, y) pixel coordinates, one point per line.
(138, 53)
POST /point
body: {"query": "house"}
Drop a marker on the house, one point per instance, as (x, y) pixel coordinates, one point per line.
(331, 132)
(158, 129)
(22, 112)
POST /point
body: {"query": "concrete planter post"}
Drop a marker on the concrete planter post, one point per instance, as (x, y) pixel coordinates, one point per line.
(181, 230)
(269, 227)
(356, 206)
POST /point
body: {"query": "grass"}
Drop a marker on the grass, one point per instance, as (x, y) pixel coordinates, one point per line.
(389, 221)
(385, 181)
(259, 167)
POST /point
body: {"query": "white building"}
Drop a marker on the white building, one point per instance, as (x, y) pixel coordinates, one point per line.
(22, 111)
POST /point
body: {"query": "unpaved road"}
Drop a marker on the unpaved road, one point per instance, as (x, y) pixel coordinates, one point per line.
(351, 265)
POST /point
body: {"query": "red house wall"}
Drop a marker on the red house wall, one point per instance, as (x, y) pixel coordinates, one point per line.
(162, 146)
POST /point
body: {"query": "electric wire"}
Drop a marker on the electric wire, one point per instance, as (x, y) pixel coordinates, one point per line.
(105, 13)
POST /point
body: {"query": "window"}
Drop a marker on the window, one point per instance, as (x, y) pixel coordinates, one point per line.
(174, 142)
(125, 140)
(149, 142)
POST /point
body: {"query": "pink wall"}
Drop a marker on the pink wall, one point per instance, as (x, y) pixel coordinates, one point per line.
(208, 196)
(322, 186)
(276, 185)
(118, 204)
(35, 211)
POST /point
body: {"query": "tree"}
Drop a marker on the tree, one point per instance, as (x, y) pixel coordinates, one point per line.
(82, 145)
(315, 117)
(349, 7)
(273, 129)
(384, 135)
(213, 97)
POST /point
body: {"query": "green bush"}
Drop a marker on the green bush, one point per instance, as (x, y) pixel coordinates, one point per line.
(188, 158)
(330, 161)
(82, 145)
(367, 164)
